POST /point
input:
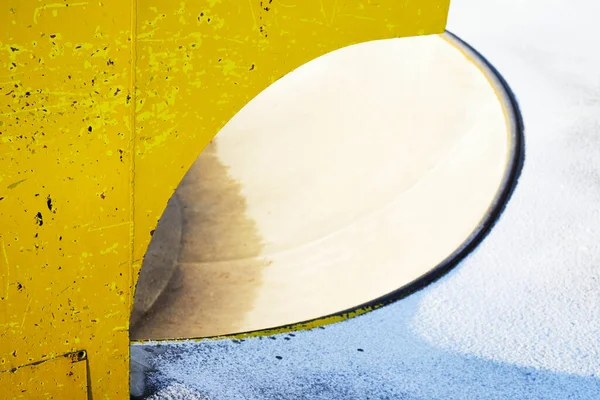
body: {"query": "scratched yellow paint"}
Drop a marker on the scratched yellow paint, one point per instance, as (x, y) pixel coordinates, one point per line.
(104, 105)
(63, 377)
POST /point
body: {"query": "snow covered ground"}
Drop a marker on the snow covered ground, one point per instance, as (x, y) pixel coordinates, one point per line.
(518, 319)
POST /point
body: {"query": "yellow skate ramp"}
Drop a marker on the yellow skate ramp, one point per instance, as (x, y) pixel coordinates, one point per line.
(104, 107)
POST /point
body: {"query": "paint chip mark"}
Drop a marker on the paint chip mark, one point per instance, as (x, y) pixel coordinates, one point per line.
(89, 129)
(39, 219)
(17, 183)
(152, 232)
(279, 357)
(36, 13)
(49, 203)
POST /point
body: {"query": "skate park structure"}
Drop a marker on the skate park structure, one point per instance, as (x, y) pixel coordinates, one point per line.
(105, 107)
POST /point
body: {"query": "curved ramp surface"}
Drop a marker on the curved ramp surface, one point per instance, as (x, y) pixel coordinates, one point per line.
(347, 179)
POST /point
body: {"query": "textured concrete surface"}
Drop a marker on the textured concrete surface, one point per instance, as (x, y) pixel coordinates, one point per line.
(518, 318)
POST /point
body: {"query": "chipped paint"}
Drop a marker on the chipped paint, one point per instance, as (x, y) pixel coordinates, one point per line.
(17, 183)
(104, 107)
(37, 11)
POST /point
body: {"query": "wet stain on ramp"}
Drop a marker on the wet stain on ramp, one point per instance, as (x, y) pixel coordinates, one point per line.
(218, 272)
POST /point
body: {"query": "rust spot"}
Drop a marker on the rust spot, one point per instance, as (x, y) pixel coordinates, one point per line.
(102, 196)
(152, 232)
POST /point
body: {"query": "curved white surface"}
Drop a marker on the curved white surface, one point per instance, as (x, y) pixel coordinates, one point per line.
(359, 171)
(345, 180)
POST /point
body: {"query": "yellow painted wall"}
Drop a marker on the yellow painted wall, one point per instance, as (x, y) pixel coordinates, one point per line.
(87, 162)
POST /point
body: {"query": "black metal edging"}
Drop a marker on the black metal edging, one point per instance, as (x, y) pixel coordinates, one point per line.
(510, 180)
